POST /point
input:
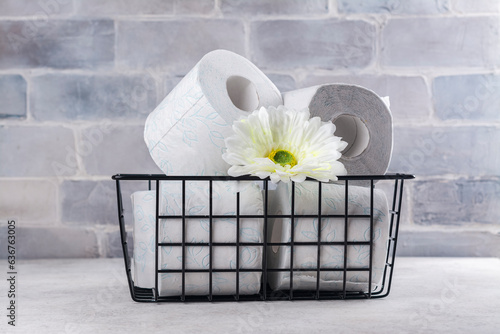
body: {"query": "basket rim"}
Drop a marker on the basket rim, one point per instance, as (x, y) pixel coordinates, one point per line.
(389, 176)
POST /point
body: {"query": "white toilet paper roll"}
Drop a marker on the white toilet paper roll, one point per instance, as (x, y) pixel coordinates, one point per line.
(197, 231)
(185, 133)
(332, 230)
(362, 118)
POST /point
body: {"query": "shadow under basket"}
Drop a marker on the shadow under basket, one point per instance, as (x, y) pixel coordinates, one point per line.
(303, 268)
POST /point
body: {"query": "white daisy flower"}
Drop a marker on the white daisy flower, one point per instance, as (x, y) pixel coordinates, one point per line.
(284, 144)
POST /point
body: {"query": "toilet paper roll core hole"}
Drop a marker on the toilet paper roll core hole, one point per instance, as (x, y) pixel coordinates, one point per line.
(353, 131)
(242, 93)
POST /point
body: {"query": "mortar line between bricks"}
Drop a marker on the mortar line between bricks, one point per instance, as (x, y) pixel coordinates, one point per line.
(477, 227)
(115, 46)
(62, 17)
(362, 16)
(403, 71)
(56, 179)
(217, 12)
(247, 31)
(59, 211)
(433, 122)
(450, 177)
(96, 17)
(100, 241)
(402, 16)
(29, 87)
(333, 9)
(119, 123)
(73, 123)
(36, 72)
(436, 71)
(79, 158)
(378, 46)
(451, 123)
(409, 191)
(259, 16)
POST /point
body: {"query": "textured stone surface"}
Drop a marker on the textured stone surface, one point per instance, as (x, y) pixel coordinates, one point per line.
(13, 96)
(42, 8)
(138, 7)
(88, 202)
(121, 149)
(77, 78)
(36, 151)
(388, 188)
(92, 97)
(57, 43)
(193, 7)
(111, 243)
(394, 6)
(409, 96)
(37, 242)
(475, 97)
(428, 295)
(275, 7)
(124, 7)
(449, 243)
(30, 201)
(466, 150)
(457, 202)
(178, 45)
(167, 83)
(477, 6)
(55, 242)
(347, 43)
(445, 42)
(94, 202)
(3, 234)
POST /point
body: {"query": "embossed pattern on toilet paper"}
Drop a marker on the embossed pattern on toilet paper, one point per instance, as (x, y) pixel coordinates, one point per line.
(185, 134)
(189, 118)
(197, 231)
(332, 230)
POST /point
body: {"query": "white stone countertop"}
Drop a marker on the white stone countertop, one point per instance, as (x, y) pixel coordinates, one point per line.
(429, 295)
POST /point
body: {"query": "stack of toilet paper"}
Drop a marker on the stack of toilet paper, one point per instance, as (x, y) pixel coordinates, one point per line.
(329, 230)
(197, 230)
(185, 136)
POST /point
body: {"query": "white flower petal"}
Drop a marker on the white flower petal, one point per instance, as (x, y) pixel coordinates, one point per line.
(311, 141)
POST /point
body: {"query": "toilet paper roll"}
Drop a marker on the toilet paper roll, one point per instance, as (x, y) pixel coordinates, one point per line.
(185, 133)
(362, 119)
(197, 231)
(332, 230)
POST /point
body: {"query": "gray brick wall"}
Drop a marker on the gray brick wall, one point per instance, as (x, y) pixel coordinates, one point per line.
(78, 78)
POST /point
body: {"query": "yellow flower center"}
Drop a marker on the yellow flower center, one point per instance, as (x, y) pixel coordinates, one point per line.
(282, 157)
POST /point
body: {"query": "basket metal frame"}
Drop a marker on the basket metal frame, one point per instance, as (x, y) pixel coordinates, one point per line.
(151, 294)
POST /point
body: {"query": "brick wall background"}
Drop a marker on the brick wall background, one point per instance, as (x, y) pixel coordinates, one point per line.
(78, 78)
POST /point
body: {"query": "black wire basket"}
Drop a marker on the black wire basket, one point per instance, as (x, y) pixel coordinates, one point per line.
(291, 286)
